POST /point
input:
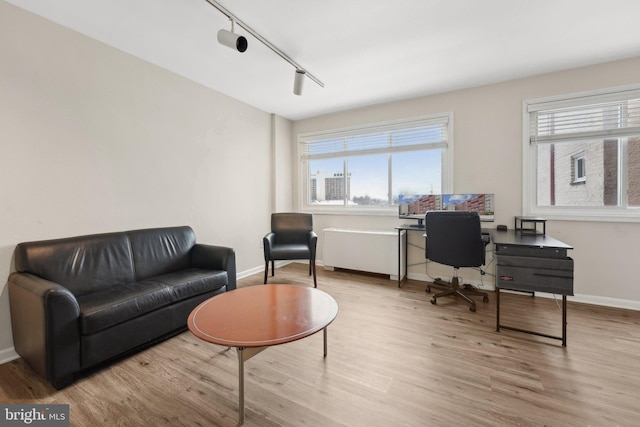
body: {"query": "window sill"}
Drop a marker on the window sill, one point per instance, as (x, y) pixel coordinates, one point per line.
(332, 210)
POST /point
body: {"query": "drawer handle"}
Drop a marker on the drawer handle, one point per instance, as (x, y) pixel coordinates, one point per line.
(551, 275)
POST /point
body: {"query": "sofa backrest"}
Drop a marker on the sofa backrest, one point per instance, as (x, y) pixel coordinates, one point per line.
(85, 264)
(161, 250)
(82, 264)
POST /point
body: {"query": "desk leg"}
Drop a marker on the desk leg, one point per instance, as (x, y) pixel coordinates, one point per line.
(399, 257)
(564, 320)
(497, 309)
(244, 354)
(406, 254)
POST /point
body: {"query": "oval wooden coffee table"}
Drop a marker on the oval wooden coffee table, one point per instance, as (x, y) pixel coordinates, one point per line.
(256, 317)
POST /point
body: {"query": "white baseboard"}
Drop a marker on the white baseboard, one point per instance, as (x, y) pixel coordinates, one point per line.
(606, 301)
(7, 355)
(260, 269)
(250, 272)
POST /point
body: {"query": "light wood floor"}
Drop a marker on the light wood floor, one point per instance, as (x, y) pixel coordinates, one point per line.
(394, 360)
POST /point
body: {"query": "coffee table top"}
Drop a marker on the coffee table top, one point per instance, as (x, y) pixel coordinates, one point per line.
(263, 315)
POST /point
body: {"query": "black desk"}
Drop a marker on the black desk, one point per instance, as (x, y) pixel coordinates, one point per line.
(407, 228)
(532, 263)
(421, 228)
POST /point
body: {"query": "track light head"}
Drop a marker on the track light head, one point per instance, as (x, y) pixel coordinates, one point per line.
(232, 40)
(298, 82)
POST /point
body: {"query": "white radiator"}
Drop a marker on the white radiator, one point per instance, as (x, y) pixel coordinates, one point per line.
(363, 250)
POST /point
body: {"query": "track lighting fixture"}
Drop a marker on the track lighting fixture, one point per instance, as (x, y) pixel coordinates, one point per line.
(235, 41)
(298, 82)
(232, 40)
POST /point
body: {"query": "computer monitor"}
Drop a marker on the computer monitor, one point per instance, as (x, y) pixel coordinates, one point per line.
(416, 206)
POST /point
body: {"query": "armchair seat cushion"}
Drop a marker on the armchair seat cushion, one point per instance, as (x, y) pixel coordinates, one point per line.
(108, 307)
(290, 251)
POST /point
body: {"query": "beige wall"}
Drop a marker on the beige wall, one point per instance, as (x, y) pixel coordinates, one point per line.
(488, 159)
(94, 140)
(281, 167)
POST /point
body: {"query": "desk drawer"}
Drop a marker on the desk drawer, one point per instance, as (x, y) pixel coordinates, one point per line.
(530, 251)
(532, 274)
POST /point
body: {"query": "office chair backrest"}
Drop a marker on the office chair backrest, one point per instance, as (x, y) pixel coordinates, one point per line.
(454, 238)
(291, 227)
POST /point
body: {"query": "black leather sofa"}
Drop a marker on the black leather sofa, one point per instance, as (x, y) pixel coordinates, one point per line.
(79, 301)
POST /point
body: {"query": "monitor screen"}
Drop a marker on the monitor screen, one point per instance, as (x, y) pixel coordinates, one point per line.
(416, 206)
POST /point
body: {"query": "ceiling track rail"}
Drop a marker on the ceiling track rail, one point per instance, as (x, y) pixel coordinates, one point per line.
(267, 43)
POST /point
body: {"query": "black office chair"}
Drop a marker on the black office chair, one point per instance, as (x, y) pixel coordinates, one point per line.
(455, 238)
(291, 238)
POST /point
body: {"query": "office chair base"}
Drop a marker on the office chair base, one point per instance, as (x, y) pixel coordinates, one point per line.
(438, 283)
(463, 291)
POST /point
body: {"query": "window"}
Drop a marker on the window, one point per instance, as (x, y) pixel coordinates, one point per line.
(582, 156)
(578, 175)
(371, 167)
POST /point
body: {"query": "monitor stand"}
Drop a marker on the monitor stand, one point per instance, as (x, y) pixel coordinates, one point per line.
(420, 223)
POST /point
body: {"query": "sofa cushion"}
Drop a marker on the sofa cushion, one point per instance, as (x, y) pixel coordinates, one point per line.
(83, 264)
(102, 309)
(192, 281)
(159, 251)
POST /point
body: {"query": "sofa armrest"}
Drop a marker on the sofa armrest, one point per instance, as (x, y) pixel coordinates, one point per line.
(215, 258)
(45, 326)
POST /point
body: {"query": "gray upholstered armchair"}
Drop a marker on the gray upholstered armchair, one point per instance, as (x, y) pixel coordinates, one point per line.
(291, 238)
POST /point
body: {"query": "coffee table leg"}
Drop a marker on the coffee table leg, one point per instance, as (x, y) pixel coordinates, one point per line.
(324, 332)
(244, 354)
(241, 384)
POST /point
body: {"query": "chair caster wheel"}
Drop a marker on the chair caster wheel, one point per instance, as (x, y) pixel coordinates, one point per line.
(485, 299)
(472, 308)
(433, 301)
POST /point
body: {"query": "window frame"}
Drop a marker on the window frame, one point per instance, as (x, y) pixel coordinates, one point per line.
(622, 213)
(392, 210)
(578, 161)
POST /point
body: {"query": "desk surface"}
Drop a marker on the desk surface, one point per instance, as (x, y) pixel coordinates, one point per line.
(415, 227)
(512, 237)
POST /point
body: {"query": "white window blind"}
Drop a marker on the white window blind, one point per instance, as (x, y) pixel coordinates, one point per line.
(581, 155)
(386, 138)
(593, 120)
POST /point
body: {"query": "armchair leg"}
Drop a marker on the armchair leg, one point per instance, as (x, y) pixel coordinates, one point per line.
(273, 268)
(312, 266)
(266, 271)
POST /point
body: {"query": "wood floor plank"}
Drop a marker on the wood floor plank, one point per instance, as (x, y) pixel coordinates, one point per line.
(394, 359)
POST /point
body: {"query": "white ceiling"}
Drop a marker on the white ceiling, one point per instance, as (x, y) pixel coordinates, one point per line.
(366, 52)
